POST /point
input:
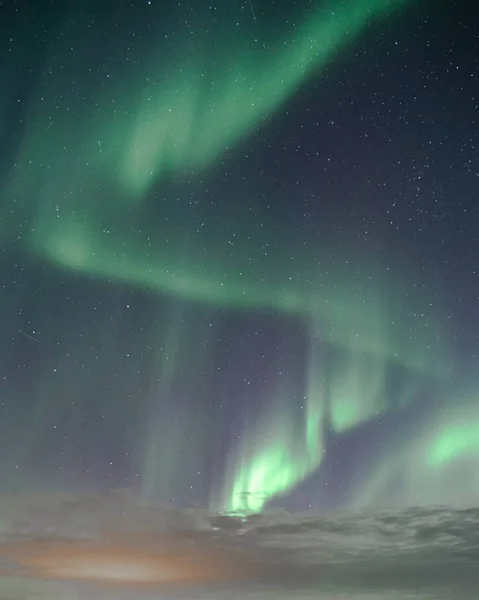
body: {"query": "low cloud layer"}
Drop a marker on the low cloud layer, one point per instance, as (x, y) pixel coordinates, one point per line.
(421, 553)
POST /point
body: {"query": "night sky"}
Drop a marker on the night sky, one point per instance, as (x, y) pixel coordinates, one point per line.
(240, 251)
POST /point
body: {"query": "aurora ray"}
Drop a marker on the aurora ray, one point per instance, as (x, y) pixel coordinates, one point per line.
(435, 465)
(287, 448)
(92, 213)
(93, 226)
(184, 127)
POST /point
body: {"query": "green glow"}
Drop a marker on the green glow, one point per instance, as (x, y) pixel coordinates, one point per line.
(93, 214)
(457, 437)
(349, 390)
(454, 443)
(206, 268)
(438, 465)
(273, 460)
(269, 474)
(182, 126)
(357, 389)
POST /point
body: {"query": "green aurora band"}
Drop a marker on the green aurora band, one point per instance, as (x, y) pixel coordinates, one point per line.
(438, 467)
(91, 215)
(267, 468)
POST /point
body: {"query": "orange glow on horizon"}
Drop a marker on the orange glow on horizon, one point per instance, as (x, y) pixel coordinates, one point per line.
(121, 562)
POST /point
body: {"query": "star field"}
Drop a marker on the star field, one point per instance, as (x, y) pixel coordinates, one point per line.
(239, 251)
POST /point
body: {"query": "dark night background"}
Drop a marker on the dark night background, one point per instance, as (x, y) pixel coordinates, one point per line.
(366, 170)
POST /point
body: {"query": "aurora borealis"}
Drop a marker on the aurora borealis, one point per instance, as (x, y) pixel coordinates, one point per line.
(239, 264)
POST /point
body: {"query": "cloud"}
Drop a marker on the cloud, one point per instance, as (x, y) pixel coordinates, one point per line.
(418, 552)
